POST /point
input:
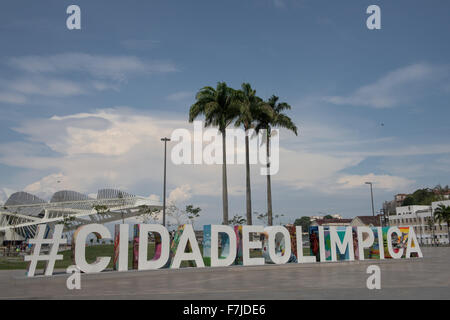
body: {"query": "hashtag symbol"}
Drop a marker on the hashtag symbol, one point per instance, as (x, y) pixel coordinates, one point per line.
(53, 255)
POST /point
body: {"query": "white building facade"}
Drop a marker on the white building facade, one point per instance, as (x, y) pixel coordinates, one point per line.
(421, 219)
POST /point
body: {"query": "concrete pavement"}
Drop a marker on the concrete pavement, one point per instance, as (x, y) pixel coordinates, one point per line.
(427, 278)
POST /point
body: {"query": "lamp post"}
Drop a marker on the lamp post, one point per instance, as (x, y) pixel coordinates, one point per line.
(371, 196)
(164, 191)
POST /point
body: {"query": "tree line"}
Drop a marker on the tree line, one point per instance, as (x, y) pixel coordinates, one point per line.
(426, 196)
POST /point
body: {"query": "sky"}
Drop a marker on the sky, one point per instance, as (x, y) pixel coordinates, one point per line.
(85, 109)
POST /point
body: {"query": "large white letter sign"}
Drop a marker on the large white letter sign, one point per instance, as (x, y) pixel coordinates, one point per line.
(273, 255)
(397, 231)
(229, 260)
(247, 245)
(323, 257)
(380, 242)
(367, 243)
(347, 242)
(163, 252)
(121, 232)
(181, 254)
(409, 247)
(80, 237)
(300, 257)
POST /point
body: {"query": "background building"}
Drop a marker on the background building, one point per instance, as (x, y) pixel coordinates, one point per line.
(331, 222)
(22, 212)
(421, 219)
(367, 221)
(389, 207)
(322, 216)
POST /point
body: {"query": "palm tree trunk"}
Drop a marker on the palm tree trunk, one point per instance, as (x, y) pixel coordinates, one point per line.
(247, 172)
(432, 233)
(448, 231)
(269, 187)
(224, 179)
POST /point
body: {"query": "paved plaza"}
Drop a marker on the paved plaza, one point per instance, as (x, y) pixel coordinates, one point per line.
(427, 278)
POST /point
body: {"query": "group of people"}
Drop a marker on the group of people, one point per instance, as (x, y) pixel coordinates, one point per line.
(17, 248)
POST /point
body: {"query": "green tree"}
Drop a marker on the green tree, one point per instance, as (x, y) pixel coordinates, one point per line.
(250, 107)
(266, 121)
(304, 222)
(264, 217)
(409, 201)
(192, 213)
(220, 107)
(424, 196)
(328, 217)
(148, 214)
(442, 214)
(101, 208)
(237, 220)
(430, 224)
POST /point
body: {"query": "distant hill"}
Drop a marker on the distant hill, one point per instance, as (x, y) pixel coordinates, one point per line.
(427, 196)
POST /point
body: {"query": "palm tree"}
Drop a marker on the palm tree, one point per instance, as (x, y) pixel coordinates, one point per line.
(250, 107)
(430, 224)
(220, 108)
(442, 214)
(275, 119)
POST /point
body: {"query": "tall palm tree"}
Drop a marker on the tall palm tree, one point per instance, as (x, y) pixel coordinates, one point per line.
(250, 107)
(430, 224)
(220, 108)
(442, 214)
(275, 119)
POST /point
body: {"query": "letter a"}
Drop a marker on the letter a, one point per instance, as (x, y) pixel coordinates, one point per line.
(374, 281)
(74, 20)
(73, 281)
(374, 20)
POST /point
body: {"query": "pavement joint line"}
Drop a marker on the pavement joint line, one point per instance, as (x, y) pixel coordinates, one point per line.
(110, 273)
(80, 295)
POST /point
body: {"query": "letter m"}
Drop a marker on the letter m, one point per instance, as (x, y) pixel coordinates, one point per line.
(347, 242)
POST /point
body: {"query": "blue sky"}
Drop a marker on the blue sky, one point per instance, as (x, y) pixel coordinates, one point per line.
(87, 107)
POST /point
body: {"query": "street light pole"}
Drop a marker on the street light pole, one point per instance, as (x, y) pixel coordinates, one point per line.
(371, 196)
(164, 191)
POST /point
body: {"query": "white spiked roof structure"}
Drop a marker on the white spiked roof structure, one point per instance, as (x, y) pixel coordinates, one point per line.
(22, 212)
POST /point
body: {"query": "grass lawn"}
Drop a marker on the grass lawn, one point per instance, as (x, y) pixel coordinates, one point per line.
(94, 251)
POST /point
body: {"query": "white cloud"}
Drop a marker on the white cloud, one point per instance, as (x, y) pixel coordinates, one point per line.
(47, 87)
(121, 148)
(399, 86)
(154, 197)
(14, 98)
(73, 74)
(413, 150)
(4, 194)
(140, 44)
(311, 170)
(47, 186)
(386, 182)
(180, 194)
(102, 86)
(103, 66)
(180, 96)
(279, 3)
